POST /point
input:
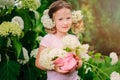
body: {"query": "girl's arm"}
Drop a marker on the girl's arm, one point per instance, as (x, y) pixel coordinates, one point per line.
(38, 57)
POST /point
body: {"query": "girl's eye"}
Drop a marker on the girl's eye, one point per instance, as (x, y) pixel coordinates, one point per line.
(68, 17)
(60, 19)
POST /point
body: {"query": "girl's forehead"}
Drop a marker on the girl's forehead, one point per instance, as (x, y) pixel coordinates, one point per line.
(63, 11)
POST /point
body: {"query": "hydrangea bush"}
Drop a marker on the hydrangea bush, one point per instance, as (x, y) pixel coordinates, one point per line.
(19, 28)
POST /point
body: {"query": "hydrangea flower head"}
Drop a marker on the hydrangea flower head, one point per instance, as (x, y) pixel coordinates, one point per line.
(114, 58)
(10, 29)
(46, 20)
(18, 20)
(7, 3)
(32, 4)
(76, 16)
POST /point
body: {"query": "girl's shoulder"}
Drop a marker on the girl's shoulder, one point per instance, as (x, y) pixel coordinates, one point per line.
(46, 40)
(48, 36)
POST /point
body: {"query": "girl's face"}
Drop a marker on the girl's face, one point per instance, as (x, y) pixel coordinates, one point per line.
(63, 20)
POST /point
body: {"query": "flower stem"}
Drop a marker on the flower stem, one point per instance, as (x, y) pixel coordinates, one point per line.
(95, 67)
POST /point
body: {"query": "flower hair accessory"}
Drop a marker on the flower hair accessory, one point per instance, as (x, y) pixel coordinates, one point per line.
(46, 20)
(76, 16)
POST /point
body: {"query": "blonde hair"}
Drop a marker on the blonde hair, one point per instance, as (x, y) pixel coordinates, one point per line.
(77, 27)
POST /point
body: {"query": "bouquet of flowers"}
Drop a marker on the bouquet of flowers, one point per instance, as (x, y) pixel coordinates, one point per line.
(51, 57)
(62, 56)
(48, 56)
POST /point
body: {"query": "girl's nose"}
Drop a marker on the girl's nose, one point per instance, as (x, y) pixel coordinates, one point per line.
(65, 22)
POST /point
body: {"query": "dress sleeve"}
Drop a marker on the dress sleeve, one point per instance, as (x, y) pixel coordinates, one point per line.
(45, 41)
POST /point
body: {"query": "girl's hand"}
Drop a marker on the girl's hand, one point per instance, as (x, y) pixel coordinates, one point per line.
(72, 70)
(79, 63)
(57, 69)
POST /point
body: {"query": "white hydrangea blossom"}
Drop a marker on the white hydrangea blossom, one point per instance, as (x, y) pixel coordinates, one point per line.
(31, 4)
(39, 38)
(18, 4)
(85, 56)
(26, 57)
(76, 16)
(10, 28)
(34, 53)
(48, 55)
(115, 76)
(56, 52)
(46, 11)
(114, 58)
(46, 20)
(45, 60)
(18, 20)
(7, 3)
(83, 48)
(70, 41)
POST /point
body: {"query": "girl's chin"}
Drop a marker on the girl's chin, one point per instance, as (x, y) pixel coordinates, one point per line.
(65, 30)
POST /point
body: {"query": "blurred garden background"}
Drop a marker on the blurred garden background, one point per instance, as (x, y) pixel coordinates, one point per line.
(19, 43)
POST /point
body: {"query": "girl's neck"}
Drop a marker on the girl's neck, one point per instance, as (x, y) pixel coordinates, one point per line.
(60, 35)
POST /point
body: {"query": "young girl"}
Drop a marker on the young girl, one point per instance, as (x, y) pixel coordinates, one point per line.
(61, 15)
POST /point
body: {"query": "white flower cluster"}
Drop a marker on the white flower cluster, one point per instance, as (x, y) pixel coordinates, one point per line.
(18, 4)
(7, 3)
(25, 55)
(39, 38)
(10, 28)
(83, 50)
(34, 53)
(115, 76)
(48, 55)
(46, 20)
(31, 4)
(114, 58)
(19, 21)
(70, 41)
(76, 16)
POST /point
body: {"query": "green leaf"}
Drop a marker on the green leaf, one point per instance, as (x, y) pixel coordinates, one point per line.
(27, 17)
(9, 70)
(91, 52)
(30, 72)
(17, 45)
(67, 49)
(97, 55)
(3, 42)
